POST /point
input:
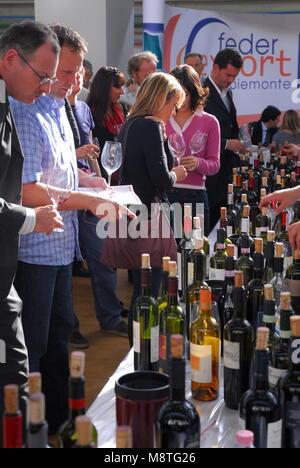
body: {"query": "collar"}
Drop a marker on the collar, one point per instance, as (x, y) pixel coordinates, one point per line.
(51, 102)
(178, 129)
(222, 93)
(2, 92)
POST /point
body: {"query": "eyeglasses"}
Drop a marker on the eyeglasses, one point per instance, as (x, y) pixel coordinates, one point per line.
(44, 80)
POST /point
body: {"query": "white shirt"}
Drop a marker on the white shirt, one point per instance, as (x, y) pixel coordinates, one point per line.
(223, 94)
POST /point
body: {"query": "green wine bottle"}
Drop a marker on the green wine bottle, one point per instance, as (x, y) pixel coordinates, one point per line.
(145, 324)
(172, 320)
(162, 301)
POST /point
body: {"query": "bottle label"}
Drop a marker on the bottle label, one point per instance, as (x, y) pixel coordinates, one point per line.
(136, 337)
(294, 287)
(245, 251)
(274, 434)
(229, 230)
(258, 231)
(201, 363)
(269, 319)
(229, 274)
(245, 228)
(231, 355)
(163, 347)
(295, 351)
(154, 344)
(274, 376)
(190, 273)
(215, 274)
(179, 266)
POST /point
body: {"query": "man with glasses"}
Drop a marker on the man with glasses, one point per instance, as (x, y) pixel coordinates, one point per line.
(44, 278)
(38, 44)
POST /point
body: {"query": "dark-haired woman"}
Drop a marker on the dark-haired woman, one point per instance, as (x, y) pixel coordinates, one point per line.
(106, 90)
(195, 124)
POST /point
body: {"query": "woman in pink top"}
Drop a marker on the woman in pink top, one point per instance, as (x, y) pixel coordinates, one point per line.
(201, 133)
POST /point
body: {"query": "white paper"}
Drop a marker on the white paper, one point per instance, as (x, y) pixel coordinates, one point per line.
(123, 194)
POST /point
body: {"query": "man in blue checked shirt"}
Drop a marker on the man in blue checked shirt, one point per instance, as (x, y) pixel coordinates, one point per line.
(44, 277)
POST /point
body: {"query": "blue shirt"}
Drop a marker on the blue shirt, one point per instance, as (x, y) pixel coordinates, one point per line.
(46, 139)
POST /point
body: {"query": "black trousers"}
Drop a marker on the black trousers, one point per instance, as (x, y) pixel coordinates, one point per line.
(13, 352)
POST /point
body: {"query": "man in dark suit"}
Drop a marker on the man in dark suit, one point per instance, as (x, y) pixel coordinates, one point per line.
(227, 66)
(265, 128)
(28, 61)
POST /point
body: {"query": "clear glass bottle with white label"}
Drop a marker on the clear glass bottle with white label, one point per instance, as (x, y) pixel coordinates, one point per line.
(259, 407)
(145, 324)
(289, 386)
(238, 340)
(217, 261)
(205, 350)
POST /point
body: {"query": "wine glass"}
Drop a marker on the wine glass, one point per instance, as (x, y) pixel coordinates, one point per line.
(177, 145)
(198, 142)
(245, 132)
(59, 182)
(111, 158)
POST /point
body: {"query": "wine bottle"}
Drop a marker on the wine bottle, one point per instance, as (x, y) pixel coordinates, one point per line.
(289, 386)
(37, 435)
(124, 437)
(269, 318)
(293, 280)
(231, 213)
(279, 283)
(172, 320)
(84, 431)
(265, 225)
(238, 338)
(12, 419)
(178, 424)
(225, 302)
(283, 237)
(259, 407)
(193, 293)
(217, 261)
(185, 250)
(162, 301)
(243, 221)
(244, 439)
(67, 435)
(255, 288)
(224, 225)
(206, 245)
(145, 324)
(205, 351)
(269, 254)
(245, 262)
(279, 357)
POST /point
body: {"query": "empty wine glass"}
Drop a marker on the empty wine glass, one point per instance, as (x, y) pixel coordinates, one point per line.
(177, 145)
(198, 142)
(245, 132)
(111, 158)
(59, 182)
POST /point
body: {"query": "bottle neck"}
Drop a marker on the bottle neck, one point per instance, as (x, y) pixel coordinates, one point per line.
(77, 402)
(164, 288)
(294, 354)
(200, 267)
(285, 325)
(173, 291)
(269, 318)
(239, 303)
(146, 282)
(278, 266)
(177, 379)
(261, 370)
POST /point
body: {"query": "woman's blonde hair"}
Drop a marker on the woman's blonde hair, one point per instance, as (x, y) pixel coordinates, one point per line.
(291, 121)
(154, 94)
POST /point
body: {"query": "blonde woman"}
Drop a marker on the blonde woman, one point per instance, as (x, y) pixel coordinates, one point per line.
(148, 162)
(289, 131)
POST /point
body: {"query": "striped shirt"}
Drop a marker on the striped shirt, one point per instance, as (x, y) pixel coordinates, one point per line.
(47, 141)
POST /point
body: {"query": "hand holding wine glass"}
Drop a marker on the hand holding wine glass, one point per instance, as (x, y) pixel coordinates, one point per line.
(111, 158)
(59, 186)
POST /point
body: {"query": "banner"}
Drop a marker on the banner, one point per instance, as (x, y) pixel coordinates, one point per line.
(268, 43)
(154, 13)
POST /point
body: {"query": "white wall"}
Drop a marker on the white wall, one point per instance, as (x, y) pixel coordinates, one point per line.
(107, 25)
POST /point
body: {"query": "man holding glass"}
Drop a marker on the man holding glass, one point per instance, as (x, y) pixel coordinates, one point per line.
(36, 43)
(44, 278)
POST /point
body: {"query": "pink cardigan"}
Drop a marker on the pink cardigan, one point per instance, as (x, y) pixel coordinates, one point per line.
(209, 158)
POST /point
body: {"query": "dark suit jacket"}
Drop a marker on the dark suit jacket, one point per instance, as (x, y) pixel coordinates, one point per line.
(147, 160)
(229, 130)
(12, 216)
(257, 135)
